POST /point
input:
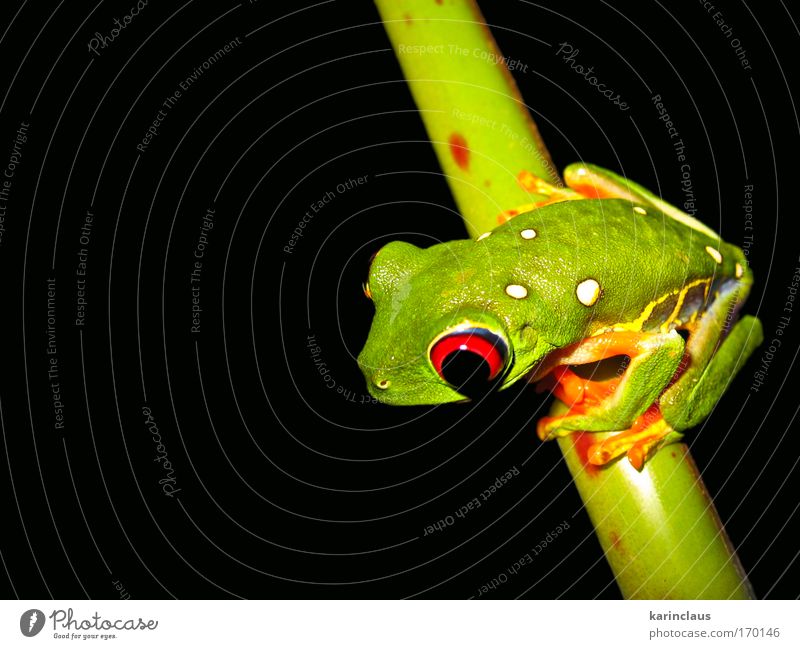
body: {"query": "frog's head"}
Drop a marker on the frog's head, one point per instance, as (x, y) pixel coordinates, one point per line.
(439, 328)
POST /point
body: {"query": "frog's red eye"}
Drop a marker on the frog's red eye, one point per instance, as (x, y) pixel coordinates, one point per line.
(473, 356)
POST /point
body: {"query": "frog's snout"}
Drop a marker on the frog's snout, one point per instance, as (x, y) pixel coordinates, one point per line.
(376, 378)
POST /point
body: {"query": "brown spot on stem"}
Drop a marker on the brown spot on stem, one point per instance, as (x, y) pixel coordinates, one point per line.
(459, 150)
(581, 442)
(487, 183)
(491, 46)
(408, 19)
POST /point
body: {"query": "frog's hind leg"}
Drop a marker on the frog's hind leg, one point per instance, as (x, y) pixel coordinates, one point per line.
(612, 405)
(595, 182)
(712, 358)
(592, 181)
(599, 404)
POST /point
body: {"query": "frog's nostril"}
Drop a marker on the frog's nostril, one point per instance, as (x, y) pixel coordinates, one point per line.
(383, 384)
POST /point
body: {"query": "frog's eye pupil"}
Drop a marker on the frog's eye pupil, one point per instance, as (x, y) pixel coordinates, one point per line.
(469, 359)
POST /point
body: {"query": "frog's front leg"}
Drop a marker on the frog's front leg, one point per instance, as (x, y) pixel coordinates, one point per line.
(614, 405)
(712, 364)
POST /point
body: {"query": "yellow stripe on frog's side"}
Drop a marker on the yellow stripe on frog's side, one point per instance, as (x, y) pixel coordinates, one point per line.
(679, 303)
(638, 323)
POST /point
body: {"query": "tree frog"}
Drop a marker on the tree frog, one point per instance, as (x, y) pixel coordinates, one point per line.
(603, 274)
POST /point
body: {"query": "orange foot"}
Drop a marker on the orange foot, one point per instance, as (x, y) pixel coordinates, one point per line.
(648, 433)
(580, 395)
(536, 185)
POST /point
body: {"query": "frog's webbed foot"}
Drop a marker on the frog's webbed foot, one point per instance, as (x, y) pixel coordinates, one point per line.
(648, 434)
(540, 187)
(582, 183)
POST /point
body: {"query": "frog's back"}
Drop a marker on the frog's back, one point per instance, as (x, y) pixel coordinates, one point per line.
(610, 264)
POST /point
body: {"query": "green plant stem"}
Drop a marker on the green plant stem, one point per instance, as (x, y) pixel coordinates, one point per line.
(658, 528)
(476, 120)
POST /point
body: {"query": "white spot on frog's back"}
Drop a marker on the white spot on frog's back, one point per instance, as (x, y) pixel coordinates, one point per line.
(588, 291)
(715, 254)
(483, 236)
(739, 271)
(516, 291)
(640, 210)
(528, 233)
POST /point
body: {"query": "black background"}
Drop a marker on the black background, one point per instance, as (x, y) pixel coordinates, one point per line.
(289, 487)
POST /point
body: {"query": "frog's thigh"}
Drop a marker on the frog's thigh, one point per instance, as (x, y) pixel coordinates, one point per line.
(654, 360)
(694, 395)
